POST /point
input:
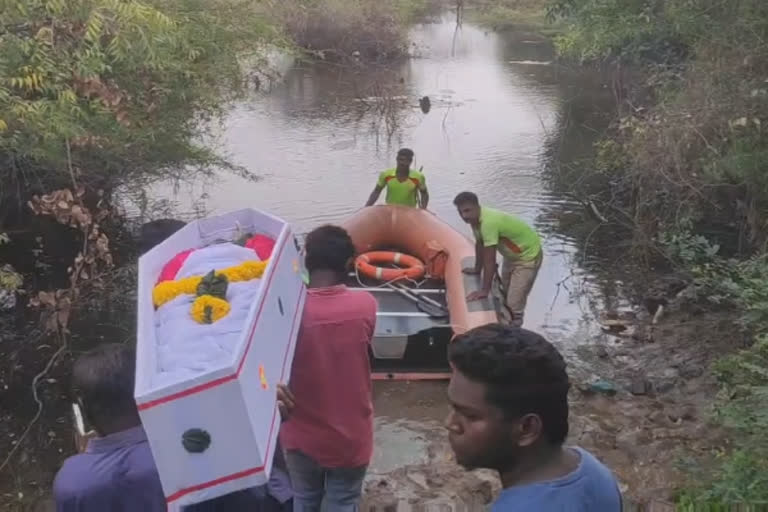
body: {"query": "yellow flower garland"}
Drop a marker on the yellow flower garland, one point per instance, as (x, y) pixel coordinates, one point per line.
(168, 290)
(208, 309)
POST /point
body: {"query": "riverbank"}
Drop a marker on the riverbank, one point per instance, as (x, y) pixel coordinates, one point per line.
(681, 172)
(645, 432)
(513, 15)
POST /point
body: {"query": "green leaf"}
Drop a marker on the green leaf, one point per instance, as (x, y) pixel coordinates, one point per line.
(213, 284)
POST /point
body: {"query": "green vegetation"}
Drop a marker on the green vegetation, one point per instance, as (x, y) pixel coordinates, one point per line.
(344, 30)
(105, 92)
(739, 284)
(513, 14)
(688, 154)
(101, 95)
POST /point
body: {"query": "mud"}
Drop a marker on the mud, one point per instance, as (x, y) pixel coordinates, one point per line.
(646, 439)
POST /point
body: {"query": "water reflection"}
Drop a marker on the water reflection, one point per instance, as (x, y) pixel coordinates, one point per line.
(500, 117)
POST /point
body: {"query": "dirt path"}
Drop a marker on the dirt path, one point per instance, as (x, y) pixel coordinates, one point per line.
(644, 437)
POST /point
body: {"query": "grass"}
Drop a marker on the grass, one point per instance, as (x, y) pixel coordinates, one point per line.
(507, 15)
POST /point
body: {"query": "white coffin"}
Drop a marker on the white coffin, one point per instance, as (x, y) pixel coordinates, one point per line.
(229, 403)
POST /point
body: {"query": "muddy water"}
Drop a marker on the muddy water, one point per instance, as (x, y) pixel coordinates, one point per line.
(318, 138)
(502, 118)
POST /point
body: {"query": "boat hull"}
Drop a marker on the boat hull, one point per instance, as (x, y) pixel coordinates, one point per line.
(409, 230)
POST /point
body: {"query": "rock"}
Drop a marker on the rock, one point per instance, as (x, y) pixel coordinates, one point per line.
(691, 371)
(640, 386)
(7, 300)
(687, 414)
(661, 290)
(666, 381)
(425, 104)
(601, 352)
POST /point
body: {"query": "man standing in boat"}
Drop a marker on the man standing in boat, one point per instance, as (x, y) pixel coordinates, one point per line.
(404, 185)
(520, 248)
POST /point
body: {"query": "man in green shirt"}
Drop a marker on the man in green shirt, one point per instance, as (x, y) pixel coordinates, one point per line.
(404, 186)
(520, 248)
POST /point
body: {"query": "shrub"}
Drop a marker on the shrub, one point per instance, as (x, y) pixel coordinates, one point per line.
(346, 29)
(106, 92)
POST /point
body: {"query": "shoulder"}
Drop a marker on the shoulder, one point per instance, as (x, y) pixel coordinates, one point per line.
(489, 218)
(418, 176)
(84, 481)
(365, 302)
(139, 466)
(387, 173)
(593, 467)
(602, 486)
(74, 479)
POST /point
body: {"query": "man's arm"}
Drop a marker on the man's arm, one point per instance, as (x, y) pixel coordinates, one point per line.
(489, 268)
(374, 195)
(478, 260)
(423, 192)
(488, 259)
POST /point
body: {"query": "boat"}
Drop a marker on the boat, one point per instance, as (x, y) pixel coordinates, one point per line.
(412, 336)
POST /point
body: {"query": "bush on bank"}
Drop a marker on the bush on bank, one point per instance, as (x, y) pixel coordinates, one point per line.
(689, 150)
(110, 92)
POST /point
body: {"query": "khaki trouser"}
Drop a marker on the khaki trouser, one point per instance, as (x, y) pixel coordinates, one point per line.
(517, 278)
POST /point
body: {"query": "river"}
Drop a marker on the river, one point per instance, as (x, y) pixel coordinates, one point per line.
(318, 137)
(503, 119)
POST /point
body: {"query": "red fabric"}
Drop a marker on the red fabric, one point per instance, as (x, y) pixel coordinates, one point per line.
(173, 266)
(331, 379)
(263, 246)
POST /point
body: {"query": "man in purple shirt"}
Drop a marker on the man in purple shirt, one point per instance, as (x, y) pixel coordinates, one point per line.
(117, 472)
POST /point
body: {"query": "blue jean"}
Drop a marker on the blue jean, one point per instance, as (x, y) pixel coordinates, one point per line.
(333, 489)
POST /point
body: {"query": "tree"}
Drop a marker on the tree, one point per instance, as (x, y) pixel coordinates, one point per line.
(107, 92)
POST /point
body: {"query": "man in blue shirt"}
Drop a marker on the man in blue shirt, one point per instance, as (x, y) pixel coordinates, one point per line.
(509, 398)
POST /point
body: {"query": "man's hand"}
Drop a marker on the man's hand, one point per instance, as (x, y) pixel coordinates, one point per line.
(285, 401)
(478, 295)
(472, 271)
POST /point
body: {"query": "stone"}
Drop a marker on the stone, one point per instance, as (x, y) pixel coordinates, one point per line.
(666, 381)
(691, 371)
(640, 386)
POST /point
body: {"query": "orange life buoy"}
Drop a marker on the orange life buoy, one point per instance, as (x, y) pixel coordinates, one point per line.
(414, 267)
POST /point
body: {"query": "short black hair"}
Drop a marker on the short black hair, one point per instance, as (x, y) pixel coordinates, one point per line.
(329, 248)
(156, 231)
(523, 374)
(406, 152)
(466, 198)
(104, 378)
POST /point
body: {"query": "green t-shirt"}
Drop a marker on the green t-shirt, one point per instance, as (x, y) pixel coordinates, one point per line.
(515, 239)
(402, 192)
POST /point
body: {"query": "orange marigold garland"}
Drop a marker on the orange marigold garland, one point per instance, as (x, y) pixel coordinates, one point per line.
(208, 309)
(211, 290)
